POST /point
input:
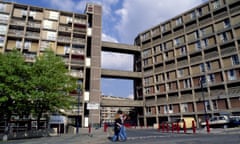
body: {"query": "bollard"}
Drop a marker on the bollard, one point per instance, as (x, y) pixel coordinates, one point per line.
(162, 127)
(89, 129)
(193, 127)
(159, 127)
(105, 127)
(207, 125)
(178, 128)
(167, 126)
(184, 126)
(172, 127)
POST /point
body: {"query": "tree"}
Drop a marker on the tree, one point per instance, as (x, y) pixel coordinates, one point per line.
(14, 73)
(50, 85)
(33, 88)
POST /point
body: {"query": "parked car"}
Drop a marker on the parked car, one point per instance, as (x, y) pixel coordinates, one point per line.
(234, 121)
(217, 121)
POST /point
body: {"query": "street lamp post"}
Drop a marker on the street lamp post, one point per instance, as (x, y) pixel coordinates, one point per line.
(78, 111)
(202, 80)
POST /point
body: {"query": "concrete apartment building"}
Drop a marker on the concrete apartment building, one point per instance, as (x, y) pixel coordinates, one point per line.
(186, 66)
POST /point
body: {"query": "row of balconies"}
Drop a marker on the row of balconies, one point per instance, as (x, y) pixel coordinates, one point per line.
(203, 20)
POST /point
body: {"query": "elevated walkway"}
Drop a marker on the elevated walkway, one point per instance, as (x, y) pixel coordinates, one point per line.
(120, 48)
(121, 103)
(120, 74)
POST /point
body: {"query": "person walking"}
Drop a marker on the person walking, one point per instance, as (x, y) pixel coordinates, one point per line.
(117, 127)
(122, 133)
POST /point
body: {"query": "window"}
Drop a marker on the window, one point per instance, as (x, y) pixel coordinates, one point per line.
(147, 90)
(3, 29)
(157, 88)
(203, 32)
(205, 42)
(180, 72)
(66, 49)
(211, 78)
(184, 107)
(183, 50)
(224, 37)
(53, 15)
(207, 105)
(226, 23)
(163, 28)
(1, 41)
(51, 35)
(168, 109)
(178, 21)
(167, 87)
(187, 83)
(235, 60)
(47, 24)
(4, 18)
(198, 45)
(208, 64)
(2, 7)
(176, 41)
(27, 45)
(202, 68)
(231, 75)
(18, 44)
(193, 15)
(159, 109)
(199, 11)
(216, 4)
(196, 34)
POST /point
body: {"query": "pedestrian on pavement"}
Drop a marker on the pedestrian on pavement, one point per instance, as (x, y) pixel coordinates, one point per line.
(122, 134)
(117, 127)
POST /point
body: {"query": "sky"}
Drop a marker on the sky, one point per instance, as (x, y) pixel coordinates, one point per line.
(122, 21)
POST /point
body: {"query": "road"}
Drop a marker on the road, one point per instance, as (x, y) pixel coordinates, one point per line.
(140, 136)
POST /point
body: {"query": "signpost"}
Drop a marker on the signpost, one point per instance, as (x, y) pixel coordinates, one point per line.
(92, 106)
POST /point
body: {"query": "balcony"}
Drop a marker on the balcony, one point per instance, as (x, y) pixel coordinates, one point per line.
(77, 51)
(66, 39)
(29, 57)
(34, 35)
(17, 22)
(228, 50)
(79, 41)
(76, 73)
(34, 24)
(235, 9)
(77, 62)
(205, 20)
(15, 32)
(65, 28)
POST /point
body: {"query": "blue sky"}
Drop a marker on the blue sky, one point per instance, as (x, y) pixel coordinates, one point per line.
(122, 21)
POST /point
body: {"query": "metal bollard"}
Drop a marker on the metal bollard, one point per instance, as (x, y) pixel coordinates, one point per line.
(207, 125)
(193, 127)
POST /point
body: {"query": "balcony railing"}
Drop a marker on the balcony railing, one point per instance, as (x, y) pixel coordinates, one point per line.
(228, 50)
(15, 32)
(77, 51)
(17, 22)
(76, 73)
(79, 41)
(34, 24)
(65, 28)
(32, 35)
(64, 39)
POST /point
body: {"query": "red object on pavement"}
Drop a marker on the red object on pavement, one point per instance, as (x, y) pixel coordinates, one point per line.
(193, 127)
(89, 129)
(167, 127)
(207, 125)
(172, 127)
(163, 127)
(105, 127)
(178, 128)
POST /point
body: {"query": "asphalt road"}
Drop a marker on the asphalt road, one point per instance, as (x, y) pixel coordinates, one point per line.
(140, 136)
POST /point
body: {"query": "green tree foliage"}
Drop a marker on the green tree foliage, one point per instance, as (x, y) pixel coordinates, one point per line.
(13, 89)
(35, 88)
(50, 84)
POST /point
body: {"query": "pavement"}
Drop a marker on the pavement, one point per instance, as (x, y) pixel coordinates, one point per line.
(99, 136)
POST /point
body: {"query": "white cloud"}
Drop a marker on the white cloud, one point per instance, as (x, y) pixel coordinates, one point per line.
(139, 15)
(130, 96)
(108, 38)
(117, 61)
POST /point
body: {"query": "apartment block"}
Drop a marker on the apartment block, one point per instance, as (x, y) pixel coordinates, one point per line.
(190, 64)
(72, 36)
